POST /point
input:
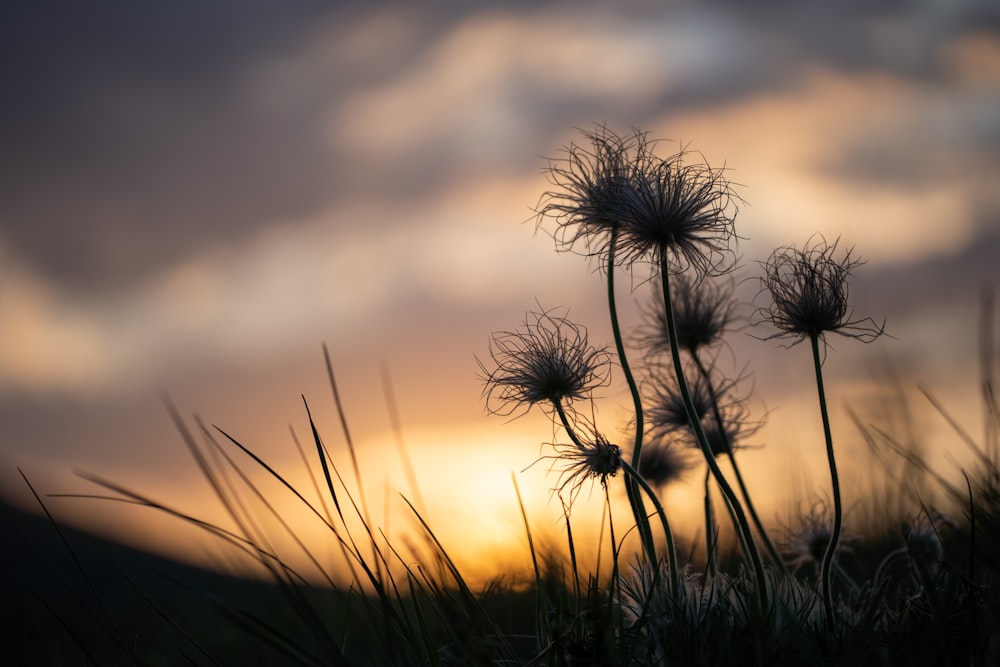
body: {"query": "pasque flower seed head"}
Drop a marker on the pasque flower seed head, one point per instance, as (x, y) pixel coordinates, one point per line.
(615, 186)
(547, 360)
(703, 312)
(681, 215)
(809, 293)
(592, 188)
(668, 416)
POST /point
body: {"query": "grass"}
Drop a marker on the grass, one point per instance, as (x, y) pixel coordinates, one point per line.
(922, 587)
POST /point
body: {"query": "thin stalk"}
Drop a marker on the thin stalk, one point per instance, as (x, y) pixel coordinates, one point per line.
(671, 548)
(838, 510)
(736, 525)
(727, 490)
(615, 578)
(711, 538)
(633, 474)
(768, 544)
(635, 500)
(540, 623)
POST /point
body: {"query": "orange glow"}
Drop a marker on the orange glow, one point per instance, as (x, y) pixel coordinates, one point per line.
(782, 146)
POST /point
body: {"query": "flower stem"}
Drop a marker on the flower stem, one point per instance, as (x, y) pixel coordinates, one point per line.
(768, 544)
(615, 578)
(706, 450)
(570, 431)
(633, 475)
(838, 510)
(711, 540)
(634, 498)
(668, 534)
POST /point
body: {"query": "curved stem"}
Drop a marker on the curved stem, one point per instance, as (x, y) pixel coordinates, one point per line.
(570, 431)
(768, 544)
(838, 510)
(635, 499)
(615, 579)
(711, 539)
(740, 538)
(633, 475)
(633, 387)
(706, 450)
(671, 549)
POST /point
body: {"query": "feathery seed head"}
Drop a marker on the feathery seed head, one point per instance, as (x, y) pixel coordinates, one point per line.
(924, 544)
(592, 188)
(681, 214)
(668, 416)
(809, 291)
(593, 456)
(662, 462)
(703, 311)
(666, 411)
(807, 542)
(547, 360)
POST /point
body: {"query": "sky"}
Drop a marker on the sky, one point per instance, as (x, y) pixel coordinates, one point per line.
(195, 197)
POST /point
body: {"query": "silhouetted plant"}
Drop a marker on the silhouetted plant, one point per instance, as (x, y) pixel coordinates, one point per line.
(546, 361)
(808, 290)
(704, 311)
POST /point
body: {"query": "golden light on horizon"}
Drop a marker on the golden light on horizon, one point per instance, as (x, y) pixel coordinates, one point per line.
(465, 491)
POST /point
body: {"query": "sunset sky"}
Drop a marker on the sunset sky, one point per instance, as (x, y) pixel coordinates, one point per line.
(196, 196)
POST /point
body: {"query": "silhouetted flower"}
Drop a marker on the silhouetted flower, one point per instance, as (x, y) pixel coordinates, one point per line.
(668, 415)
(680, 215)
(808, 291)
(592, 456)
(547, 360)
(703, 311)
(662, 462)
(807, 542)
(592, 188)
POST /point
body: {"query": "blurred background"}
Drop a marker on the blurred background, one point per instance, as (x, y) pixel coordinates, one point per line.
(194, 197)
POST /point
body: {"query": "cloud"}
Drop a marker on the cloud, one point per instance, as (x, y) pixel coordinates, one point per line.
(337, 276)
(497, 75)
(141, 135)
(134, 137)
(865, 157)
(230, 307)
(47, 343)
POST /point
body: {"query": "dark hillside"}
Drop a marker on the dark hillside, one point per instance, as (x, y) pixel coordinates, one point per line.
(46, 600)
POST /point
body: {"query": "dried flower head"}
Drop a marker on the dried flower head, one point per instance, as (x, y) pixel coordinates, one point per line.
(591, 188)
(807, 542)
(809, 291)
(703, 312)
(680, 215)
(662, 462)
(591, 456)
(547, 360)
(668, 416)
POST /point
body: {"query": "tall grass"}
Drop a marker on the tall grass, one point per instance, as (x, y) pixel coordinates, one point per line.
(923, 593)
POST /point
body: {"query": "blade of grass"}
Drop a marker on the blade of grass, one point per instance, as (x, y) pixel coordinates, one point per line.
(397, 430)
(962, 433)
(111, 629)
(540, 625)
(311, 474)
(350, 444)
